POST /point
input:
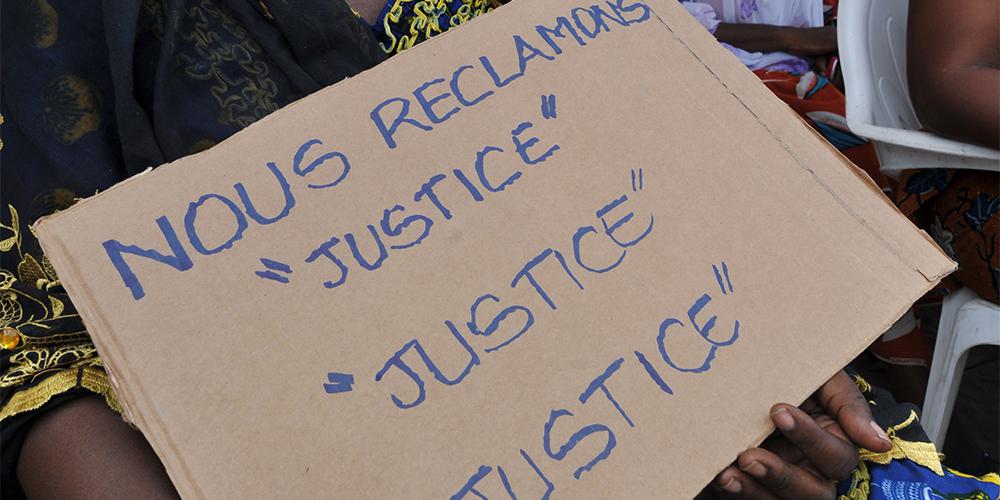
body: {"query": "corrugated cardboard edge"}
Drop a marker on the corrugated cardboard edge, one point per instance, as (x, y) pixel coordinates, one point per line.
(115, 362)
(133, 397)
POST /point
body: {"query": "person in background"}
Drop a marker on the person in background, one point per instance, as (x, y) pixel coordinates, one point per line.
(953, 67)
(954, 75)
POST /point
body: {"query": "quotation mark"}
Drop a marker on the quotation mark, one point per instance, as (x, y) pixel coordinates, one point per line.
(272, 266)
(339, 382)
(719, 277)
(549, 106)
(636, 180)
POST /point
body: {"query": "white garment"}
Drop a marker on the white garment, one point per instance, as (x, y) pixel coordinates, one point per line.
(793, 13)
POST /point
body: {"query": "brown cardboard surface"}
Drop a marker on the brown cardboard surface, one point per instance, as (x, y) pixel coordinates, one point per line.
(255, 380)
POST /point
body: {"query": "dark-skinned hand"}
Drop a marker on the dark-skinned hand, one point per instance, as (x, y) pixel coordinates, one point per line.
(814, 446)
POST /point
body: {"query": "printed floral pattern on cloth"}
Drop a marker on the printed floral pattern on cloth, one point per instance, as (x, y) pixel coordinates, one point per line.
(404, 23)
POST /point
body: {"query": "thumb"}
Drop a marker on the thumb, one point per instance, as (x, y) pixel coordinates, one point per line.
(842, 400)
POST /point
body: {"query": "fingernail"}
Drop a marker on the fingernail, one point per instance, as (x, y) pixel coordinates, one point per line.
(732, 486)
(881, 433)
(755, 469)
(783, 420)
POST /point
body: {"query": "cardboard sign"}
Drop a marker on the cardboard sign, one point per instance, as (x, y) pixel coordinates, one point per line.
(573, 249)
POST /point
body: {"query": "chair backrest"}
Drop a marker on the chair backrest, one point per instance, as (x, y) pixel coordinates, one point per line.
(871, 35)
(873, 57)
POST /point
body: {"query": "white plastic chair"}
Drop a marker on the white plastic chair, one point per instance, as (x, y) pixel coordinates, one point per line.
(966, 321)
(872, 40)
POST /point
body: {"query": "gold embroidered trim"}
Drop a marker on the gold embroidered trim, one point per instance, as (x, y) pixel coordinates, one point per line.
(90, 377)
(18, 309)
(924, 454)
(424, 20)
(267, 11)
(30, 363)
(862, 384)
(55, 339)
(860, 484)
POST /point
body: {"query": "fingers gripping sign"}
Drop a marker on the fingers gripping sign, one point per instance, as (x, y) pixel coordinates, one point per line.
(812, 450)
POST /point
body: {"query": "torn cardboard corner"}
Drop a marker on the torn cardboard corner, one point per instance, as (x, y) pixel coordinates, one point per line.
(571, 248)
